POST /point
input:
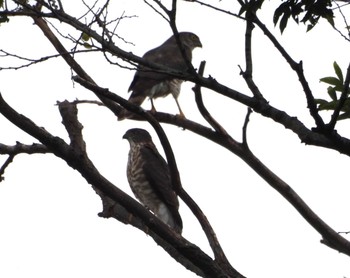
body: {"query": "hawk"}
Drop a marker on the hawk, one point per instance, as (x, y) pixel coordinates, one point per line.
(152, 84)
(149, 178)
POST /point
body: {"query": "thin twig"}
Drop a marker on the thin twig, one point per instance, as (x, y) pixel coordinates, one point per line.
(201, 107)
(248, 73)
(217, 9)
(5, 165)
(33, 61)
(158, 12)
(344, 19)
(245, 127)
(23, 148)
(346, 233)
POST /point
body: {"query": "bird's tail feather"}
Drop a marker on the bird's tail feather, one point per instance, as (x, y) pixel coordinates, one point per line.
(134, 99)
(170, 217)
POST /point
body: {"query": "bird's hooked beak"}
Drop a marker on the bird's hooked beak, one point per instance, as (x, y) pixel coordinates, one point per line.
(125, 136)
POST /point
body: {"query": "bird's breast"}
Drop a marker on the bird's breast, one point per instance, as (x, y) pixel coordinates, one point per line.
(139, 183)
(164, 88)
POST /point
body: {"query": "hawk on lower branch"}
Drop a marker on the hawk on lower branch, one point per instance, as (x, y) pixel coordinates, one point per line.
(153, 84)
(149, 178)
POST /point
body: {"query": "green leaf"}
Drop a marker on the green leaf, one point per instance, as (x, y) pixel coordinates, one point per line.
(85, 37)
(328, 105)
(284, 21)
(344, 116)
(278, 12)
(320, 101)
(1, 3)
(332, 81)
(309, 27)
(87, 45)
(330, 20)
(338, 72)
(346, 106)
(332, 93)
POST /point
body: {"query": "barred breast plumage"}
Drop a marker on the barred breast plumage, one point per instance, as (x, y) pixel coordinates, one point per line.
(149, 178)
(138, 180)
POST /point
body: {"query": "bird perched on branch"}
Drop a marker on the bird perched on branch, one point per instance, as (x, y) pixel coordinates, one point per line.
(152, 83)
(149, 178)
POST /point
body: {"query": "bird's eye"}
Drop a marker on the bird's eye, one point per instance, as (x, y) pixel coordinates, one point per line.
(193, 37)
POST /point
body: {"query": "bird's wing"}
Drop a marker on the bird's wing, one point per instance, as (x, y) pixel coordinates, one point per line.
(157, 173)
(167, 55)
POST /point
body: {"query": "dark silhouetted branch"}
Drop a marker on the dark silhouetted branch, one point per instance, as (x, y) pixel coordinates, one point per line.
(202, 109)
(175, 176)
(245, 127)
(177, 246)
(4, 166)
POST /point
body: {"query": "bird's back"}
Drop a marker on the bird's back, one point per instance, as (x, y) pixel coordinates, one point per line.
(168, 55)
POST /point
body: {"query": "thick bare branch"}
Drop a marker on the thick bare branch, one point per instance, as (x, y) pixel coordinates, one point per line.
(111, 207)
(246, 155)
(175, 176)
(69, 113)
(185, 249)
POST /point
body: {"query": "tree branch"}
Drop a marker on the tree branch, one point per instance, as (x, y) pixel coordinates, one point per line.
(70, 60)
(298, 68)
(202, 109)
(69, 113)
(174, 173)
(4, 166)
(111, 207)
(81, 163)
(328, 234)
(22, 148)
(245, 127)
(248, 73)
(333, 141)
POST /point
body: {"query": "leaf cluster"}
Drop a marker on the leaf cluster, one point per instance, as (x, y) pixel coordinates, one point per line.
(251, 6)
(334, 91)
(306, 11)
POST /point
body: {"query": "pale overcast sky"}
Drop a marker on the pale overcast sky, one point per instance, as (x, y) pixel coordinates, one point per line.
(48, 212)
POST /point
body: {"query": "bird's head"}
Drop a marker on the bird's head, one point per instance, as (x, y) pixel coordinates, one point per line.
(190, 40)
(137, 135)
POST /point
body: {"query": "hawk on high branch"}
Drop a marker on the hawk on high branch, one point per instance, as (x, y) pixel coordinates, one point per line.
(149, 178)
(153, 84)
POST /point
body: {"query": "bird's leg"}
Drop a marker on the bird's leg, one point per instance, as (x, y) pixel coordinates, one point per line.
(153, 109)
(181, 114)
